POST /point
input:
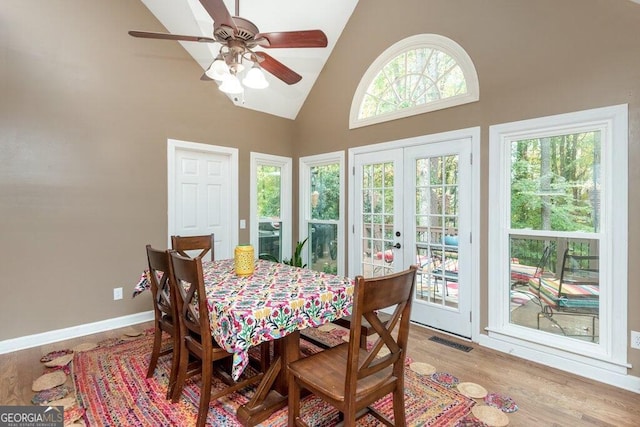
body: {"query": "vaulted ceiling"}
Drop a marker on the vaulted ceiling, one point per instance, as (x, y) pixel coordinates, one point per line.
(188, 17)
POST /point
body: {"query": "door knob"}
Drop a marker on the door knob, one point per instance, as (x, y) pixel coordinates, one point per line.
(397, 246)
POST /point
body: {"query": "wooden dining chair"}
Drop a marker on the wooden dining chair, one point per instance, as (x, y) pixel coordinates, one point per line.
(351, 378)
(204, 244)
(164, 310)
(195, 335)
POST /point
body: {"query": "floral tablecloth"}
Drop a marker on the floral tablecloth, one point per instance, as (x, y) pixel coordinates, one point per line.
(274, 301)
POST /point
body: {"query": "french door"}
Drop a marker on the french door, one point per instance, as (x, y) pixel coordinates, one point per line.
(379, 204)
(413, 206)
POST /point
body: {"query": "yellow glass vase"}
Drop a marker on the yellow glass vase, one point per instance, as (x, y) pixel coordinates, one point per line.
(244, 260)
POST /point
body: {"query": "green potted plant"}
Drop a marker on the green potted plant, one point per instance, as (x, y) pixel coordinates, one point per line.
(296, 259)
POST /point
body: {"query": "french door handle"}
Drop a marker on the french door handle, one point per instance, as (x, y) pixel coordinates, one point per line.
(397, 246)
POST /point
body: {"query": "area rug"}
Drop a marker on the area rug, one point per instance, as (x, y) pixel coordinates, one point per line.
(111, 385)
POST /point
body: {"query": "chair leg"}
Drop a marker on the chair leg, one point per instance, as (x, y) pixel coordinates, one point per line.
(175, 361)
(205, 392)
(350, 417)
(363, 341)
(398, 405)
(294, 401)
(181, 376)
(155, 353)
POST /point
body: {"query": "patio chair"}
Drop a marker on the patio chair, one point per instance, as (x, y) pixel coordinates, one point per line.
(521, 273)
(575, 293)
(433, 271)
(204, 244)
(351, 378)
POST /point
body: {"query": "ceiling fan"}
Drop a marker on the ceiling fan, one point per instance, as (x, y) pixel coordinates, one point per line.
(239, 37)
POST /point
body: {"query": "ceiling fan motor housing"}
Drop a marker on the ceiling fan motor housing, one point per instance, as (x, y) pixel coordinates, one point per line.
(246, 31)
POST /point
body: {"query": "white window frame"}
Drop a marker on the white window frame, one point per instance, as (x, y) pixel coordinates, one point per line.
(305, 165)
(286, 192)
(431, 41)
(605, 361)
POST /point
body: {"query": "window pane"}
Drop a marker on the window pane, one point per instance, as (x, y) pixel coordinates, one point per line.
(268, 191)
(415, 77)
(436, 170)
(555, 285)
(377, 198)
(269, 240)
(451, 199)
(324, 247)
(325, 192)
(555, 183)
(377, 175)
(453, 83)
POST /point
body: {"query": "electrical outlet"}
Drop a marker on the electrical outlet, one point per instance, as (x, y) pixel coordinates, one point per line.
(117, 293)
(635, 339)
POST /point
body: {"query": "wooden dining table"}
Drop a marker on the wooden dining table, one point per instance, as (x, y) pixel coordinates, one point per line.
(274, 303)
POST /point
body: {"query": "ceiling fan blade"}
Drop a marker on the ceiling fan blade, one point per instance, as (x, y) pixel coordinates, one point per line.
(167, 36)
(283, 39)
(277, 68)
(219, 13)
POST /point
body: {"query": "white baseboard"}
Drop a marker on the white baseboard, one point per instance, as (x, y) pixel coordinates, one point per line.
(21, 343)
(627, 382)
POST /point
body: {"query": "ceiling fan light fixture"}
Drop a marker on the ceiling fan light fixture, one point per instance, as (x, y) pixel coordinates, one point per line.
(255, 79)
(219, 70)
(231, 86)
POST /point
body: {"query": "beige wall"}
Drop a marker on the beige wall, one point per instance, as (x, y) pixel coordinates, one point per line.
(85, 114)
(533, 58)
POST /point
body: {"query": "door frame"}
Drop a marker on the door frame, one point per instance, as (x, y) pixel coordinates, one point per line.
(174, 145)
(472, 133)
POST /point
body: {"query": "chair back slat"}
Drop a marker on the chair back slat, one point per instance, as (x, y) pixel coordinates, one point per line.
(160, 281)
(371, 295)
(191, 297)
(205, 244)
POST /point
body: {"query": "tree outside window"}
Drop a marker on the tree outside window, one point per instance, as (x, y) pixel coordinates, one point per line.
(555, 190)
(269, 196)
(325, 214)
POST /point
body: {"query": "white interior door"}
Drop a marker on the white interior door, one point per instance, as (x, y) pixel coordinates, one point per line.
(203, 193)
(413, 205)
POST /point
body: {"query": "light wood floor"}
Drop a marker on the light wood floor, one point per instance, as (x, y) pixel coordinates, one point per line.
(545, 396)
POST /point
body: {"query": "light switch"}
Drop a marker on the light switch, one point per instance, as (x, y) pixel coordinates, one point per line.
(243, 224)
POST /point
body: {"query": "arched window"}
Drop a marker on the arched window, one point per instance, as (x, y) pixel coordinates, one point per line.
(422, 73)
